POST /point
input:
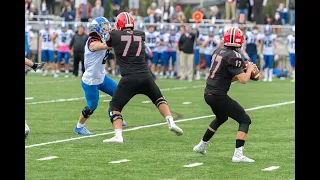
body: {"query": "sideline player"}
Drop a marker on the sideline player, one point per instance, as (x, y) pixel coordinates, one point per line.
(269, 50)
(94, 77)
(46, 47)
(129, 47)
(226, 66)
(64, 36)
(34, 66)
(290, 45)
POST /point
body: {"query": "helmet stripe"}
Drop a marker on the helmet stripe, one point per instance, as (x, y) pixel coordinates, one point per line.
(232, 35)
(127, 17)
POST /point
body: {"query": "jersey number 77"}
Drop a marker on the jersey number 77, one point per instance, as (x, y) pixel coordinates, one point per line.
(128, 40)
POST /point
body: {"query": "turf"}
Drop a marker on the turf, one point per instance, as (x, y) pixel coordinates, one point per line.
(155, 153)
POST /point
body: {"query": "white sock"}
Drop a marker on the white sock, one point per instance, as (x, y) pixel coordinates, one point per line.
(270, 73)
(79, 125)
(113, 72)
(58, 71)
(45, 71)
(172, 73)
(198, 73)
(293, 74)
(67, 72)
(118, 133)
(266, 73)
(169, 119)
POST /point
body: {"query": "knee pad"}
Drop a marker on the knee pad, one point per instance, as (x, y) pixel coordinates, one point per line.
(159, 101)
(114, 117)
(86, 112)
(244, 124)
(215, 124)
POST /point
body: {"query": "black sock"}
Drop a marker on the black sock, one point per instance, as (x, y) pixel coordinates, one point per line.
(207, 135)
(239, 143)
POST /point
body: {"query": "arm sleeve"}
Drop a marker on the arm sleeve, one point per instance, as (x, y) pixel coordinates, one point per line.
(71, 43)
(109, 42)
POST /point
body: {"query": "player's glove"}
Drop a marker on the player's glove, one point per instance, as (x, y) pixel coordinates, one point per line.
(37, 66)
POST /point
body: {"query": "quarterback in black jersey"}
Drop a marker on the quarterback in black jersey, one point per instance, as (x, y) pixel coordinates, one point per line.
(227, 65)
(129, 48)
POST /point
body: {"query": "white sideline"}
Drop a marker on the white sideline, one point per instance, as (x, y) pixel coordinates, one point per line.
(80, 98)
(157, 124)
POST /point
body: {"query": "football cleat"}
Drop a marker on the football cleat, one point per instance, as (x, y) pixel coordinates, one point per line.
(239, 157)
(82, 131)
(201, 147)
(174, 128)
(27, 129)
(114, 140)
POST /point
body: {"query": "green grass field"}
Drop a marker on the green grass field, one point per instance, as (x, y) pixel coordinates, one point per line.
(53, 106)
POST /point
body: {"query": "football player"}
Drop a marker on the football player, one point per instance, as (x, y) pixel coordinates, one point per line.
(251, 43)
(269, 50)
(210, 43)
(129, 47)
(290, 45)
(94, 77)
(226, 66)
(34, 66)
(63, 38)
(162, 48)
(46, 47)
(171, 40)
(152, 38)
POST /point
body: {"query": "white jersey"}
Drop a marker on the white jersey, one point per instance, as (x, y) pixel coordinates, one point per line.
(211, 46)
(267, 41)
(172, 40)
(64, 37)
(30, 33)
(46, 43)
(201, 38)
(162, 38)
(291, 42)
(94, 65)
(152, 38)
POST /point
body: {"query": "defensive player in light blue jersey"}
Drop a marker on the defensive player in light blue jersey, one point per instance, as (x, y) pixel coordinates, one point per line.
(269, 51)
(94, 77)
(291, 38)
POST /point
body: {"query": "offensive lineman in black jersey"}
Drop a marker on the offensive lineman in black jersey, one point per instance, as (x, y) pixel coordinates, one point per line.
(227, 66)
(129, 48)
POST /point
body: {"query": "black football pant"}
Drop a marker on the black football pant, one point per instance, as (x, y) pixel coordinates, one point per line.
(131, 85)
(78, 57)
(223, 107)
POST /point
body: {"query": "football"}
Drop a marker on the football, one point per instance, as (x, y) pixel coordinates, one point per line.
(255, 73)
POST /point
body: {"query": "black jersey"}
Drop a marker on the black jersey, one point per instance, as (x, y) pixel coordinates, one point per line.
(129, 50)
(225, 64)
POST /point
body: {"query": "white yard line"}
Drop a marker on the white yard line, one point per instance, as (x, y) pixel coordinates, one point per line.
(80, 98)
(271, 168)
(157, 124)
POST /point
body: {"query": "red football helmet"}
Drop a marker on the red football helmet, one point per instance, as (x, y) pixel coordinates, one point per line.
(124, 20)
(233, 37)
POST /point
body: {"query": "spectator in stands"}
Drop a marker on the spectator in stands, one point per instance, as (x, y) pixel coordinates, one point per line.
(51, 6)
(186, 50)
(215, 14)
(283, 13)
(32, 11)
(178, 16)
(167, 10)
(116, 11)
(230, 6)
(116, 2)
(292, 13)
(157, 16)
(76, 49)
(98, 10)
(68, 13)
(258, 10)
(277, 21)
(134, 7)
(150, 11)
(84, 11)
(44, 8)
(242, 8)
